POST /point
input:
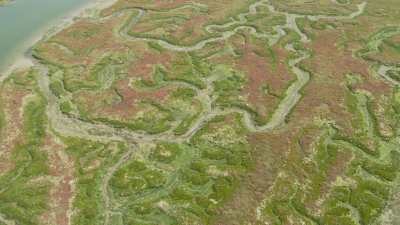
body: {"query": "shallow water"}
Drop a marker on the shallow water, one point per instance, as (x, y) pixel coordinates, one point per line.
(23, 19)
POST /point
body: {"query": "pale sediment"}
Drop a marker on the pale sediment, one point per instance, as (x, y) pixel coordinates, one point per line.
(22, 56)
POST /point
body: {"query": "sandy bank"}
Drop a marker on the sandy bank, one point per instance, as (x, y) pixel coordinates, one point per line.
(21, 58)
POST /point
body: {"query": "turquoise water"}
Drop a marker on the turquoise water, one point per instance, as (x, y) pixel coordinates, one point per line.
(22, 19)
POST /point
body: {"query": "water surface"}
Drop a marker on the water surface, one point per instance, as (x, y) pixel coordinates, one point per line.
(21, 20)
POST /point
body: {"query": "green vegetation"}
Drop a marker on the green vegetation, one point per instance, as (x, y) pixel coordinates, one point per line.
(22, 198)
(173, 183)
(87, 198)
(229, 113)
(365, 188)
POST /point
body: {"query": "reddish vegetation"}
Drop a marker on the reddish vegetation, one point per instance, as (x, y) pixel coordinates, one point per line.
(84, 35)
(61, 194)
(128, 108)
(324, 101)
(157, 4)
(144, 66)
(268, 155)
(306, 138)
(84, 42)
(326, 91)
(333, 63)
(12, 101)
(187, 32)
(216, 11)
(194, 25)
(338, 167)
(260, 71)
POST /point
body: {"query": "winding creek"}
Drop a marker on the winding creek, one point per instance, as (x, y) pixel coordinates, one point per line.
(100, 132)
(73, 127)
(70, 126)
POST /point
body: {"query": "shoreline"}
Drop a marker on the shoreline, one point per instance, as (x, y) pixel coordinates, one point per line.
(21, 58)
